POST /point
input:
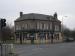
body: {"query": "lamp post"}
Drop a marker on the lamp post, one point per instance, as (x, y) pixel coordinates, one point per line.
(52, 33)
(62, 27)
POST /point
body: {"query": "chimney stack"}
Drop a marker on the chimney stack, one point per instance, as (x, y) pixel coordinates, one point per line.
(21, 14)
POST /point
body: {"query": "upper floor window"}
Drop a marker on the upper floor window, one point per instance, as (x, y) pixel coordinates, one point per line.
(23, 27)
(47, 26)
(56, 28)
(18, 27)
(38, 25)
(50, 26)
(44, 26)
(32, 25)
(41, 26)
(26, 26)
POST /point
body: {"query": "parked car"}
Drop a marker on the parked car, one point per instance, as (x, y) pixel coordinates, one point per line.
(68, 39)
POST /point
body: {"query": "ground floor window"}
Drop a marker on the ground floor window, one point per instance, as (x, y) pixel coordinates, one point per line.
(56, 36)
(40, 35)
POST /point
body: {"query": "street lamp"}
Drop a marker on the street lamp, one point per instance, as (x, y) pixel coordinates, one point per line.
(62, 27)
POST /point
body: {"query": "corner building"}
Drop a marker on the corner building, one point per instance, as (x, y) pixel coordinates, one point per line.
(37, 26)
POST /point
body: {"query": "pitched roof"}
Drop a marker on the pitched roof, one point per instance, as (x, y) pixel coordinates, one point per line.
(34, 16)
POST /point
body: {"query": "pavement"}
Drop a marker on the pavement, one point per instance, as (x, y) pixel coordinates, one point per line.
(61, 49)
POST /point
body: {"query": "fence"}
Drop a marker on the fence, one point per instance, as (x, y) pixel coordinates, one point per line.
(7, 50)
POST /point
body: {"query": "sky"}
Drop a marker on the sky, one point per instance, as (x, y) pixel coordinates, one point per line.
(9, 9)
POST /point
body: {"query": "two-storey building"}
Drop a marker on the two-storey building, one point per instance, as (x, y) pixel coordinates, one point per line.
(37, 26)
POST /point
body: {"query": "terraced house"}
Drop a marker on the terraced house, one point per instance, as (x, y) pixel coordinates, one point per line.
(37, 26)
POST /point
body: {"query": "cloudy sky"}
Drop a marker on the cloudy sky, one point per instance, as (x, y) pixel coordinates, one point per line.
(10, 9)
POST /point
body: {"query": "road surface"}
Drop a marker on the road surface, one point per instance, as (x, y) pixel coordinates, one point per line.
(62, 49)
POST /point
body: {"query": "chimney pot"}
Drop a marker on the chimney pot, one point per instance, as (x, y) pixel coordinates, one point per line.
(21, 14)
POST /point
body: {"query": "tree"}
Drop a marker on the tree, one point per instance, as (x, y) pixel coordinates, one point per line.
(73, 34)
(6, 33)
(67, 32)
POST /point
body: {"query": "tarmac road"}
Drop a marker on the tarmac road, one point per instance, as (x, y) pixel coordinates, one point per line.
(62, 49)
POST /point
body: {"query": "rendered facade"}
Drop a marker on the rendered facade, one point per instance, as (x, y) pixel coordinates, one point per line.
(37, 26)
